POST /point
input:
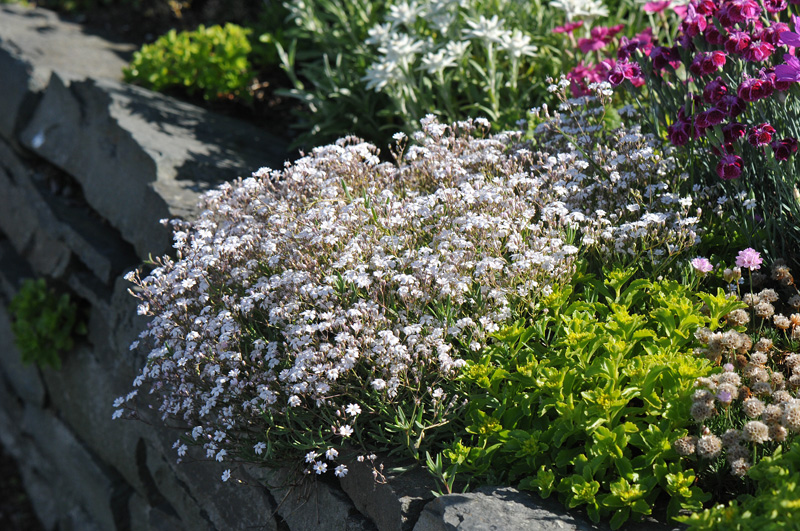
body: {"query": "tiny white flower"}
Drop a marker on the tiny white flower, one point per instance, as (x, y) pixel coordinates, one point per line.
(353, 410)
(346, 431)
(331, 454)
(310, 457)
(117, 414)
(226, 475)
(259, 448)
(294, 401)
(340, 471)
(378, 384)
(320, 467)
(221, 455)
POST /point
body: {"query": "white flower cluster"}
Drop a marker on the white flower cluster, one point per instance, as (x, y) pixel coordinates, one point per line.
(342, 278)
(436, 35)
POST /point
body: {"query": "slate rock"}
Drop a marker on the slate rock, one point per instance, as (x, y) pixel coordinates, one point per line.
(72, 472)
(141, 156)
(20, 222)
(305, 503)
(35, 42)
(24, 379)
(496, 509)
(84, 391)
(393, 504)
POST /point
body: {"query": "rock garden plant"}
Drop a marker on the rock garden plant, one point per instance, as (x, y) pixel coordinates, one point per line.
(558, 306)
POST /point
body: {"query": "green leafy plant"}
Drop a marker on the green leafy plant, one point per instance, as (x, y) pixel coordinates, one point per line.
(586, 401)
(375, 68)
(210, 61)
(774, 506)
(44, 323)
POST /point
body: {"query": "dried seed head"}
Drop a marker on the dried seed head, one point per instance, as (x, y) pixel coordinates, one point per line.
(685, 445)
(753, 407)
(756, 431)
(709, 446)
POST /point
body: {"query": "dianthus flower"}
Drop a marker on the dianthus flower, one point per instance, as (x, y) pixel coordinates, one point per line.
(785, 148)
(758, 51)
(714, 90)
(569, 27)
(749, 258)
(760, 135)
(656, 7)
(737, 42)
(753, 89)
(730, 167)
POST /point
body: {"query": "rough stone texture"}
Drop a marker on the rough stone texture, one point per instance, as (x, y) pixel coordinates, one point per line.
(71, 471)
(25, 380)
(29, 213)
(393, 505)
(20, 222)
(304, 502)
(496, 509)
(34, 43)
(140, 156)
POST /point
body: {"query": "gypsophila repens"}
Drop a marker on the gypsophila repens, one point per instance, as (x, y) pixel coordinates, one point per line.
(343, 281)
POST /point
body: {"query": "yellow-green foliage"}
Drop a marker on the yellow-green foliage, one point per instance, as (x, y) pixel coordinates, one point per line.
(43, 323)
(775, 506)
(587, 401)
(210, 61)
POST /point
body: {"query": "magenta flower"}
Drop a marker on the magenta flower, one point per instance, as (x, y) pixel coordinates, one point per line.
(792, 38)
(709, 118)
(569, 27)
(599, 37)
(773, 33)
(785, 148)
(732, 105)
(742, 10)
(760, 135)
(749, 258)
(790, 71)
(707, 62)
(656, 7)
(663, 56)
(775, 6)
(733, 132)
(758, 51)
(714, 91)
(730, 167)
(753, 89)
(737, 42)
(713, 36)
(622, 70)
(702, 265)
(680, 132)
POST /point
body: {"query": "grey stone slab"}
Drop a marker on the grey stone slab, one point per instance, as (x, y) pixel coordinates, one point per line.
(141, 156)
(495, 509)
(20, 221)
(83, 390)
(393, 505)
(193, 484)
(311, 505)
(71, 471)
(33, 212)
(34, 43)
(24, 379)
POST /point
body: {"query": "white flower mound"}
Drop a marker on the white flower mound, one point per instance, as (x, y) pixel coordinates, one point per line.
(342, 275)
